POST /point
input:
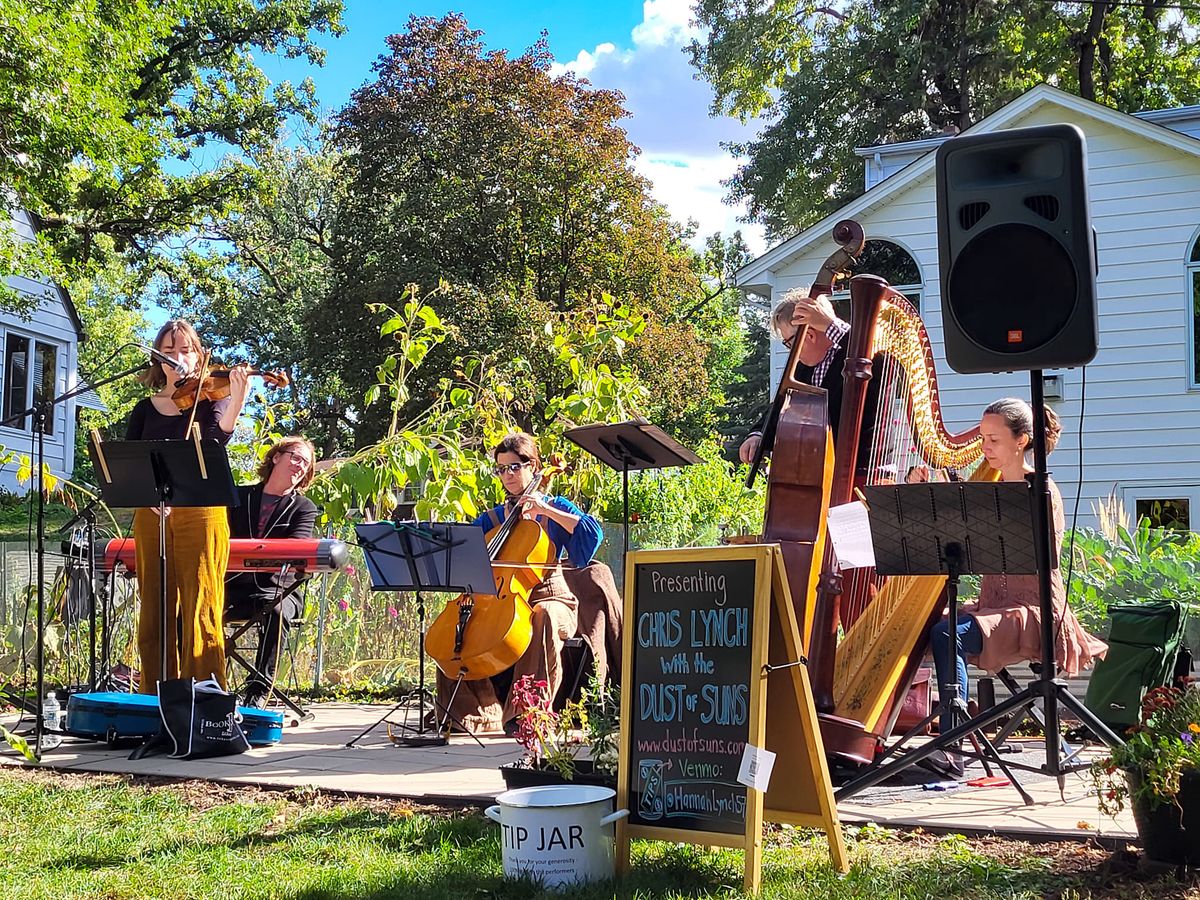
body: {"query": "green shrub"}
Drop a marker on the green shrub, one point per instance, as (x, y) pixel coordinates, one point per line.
(1139, 566)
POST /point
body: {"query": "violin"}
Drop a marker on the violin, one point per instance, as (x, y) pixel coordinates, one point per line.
(477, 636)
(215, 385)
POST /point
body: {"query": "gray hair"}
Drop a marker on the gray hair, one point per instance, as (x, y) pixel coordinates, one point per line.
(782, 313)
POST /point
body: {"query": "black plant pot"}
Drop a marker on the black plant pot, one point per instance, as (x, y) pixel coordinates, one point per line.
(522, 776)
(1170, 832)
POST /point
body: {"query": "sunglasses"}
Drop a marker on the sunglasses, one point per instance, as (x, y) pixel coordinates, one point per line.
(509, 468)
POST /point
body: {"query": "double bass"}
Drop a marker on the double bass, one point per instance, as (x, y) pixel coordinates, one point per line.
(477, 636)
(798, 434)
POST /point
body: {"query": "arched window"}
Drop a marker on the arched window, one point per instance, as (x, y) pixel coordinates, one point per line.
(892, 262)
(1193, 275)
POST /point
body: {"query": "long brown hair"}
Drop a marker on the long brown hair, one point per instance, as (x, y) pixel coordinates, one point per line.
(183, 331)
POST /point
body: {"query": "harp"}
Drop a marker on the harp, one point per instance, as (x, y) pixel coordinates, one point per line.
(889, 361)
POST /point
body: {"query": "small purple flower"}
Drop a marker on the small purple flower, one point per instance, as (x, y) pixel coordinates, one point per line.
(349, 570)
(393, 612)
(343, 605)
(1187, 737)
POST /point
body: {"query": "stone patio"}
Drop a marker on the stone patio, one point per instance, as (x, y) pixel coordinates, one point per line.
(315, 754)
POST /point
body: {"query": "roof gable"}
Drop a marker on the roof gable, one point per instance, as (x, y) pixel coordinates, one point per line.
(759, 273)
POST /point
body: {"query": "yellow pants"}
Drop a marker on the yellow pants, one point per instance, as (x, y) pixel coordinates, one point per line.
(197, 553)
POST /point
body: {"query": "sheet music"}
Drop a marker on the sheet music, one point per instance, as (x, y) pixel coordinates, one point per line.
(850, 531)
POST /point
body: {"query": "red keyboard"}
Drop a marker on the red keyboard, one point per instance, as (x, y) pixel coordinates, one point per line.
(311, 555)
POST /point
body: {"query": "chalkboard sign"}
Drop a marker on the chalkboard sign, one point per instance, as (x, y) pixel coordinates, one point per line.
(707, 630)
(691, 687)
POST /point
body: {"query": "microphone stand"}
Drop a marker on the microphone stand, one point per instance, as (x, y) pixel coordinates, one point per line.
(40, 412)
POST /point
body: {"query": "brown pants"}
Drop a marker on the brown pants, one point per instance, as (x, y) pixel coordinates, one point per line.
(555, 620)
(197, 553)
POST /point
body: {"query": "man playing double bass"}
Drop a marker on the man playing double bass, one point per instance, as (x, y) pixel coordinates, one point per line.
(822, 357)
(822, 364)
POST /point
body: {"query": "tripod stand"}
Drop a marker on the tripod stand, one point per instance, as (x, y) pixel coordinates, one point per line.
(40, 414)
(955, 529)
(407, 556)
(1047, 689)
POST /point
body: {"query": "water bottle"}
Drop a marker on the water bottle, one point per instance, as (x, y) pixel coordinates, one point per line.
(51, 713)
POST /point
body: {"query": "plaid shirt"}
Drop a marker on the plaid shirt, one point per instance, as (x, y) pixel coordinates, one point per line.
(835, 332)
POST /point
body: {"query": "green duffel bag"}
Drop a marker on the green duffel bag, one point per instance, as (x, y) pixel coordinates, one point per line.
(1143, 647)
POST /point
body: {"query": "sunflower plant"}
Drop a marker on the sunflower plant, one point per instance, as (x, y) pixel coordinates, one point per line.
(1157, 753)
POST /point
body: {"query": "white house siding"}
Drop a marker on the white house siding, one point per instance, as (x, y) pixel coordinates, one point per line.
(50, 323)
(1142, 421)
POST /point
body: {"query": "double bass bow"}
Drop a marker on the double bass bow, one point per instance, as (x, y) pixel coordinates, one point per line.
(477, 636)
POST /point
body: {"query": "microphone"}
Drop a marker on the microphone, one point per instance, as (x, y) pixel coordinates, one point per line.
(158, 356)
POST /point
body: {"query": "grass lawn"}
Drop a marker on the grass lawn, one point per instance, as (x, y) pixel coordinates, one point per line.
(108, 836)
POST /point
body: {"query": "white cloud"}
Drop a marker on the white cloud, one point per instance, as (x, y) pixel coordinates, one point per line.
(582, 64)
(665, 23)
(669, 117)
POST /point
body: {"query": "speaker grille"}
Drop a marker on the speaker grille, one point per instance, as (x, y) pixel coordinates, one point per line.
(969, 214)
(994, 301)
(1044, 205)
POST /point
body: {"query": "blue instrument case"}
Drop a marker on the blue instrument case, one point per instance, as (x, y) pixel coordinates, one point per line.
(120, 718)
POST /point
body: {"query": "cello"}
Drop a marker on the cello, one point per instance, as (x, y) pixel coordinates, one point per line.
(477, 636)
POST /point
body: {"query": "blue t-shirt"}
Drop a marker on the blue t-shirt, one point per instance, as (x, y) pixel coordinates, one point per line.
(580, 545)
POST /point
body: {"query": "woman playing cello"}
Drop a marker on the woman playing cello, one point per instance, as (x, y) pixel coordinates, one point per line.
(572, 533)
(197, 538)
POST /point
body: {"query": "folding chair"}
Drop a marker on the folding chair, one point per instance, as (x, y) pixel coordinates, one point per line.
(257, 625)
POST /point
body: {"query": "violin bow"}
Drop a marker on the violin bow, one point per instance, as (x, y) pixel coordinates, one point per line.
(199, 389)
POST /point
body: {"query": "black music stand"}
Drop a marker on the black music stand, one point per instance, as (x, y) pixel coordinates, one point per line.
(418, 557)
(631, 447)
(976, 528)
(177, 473)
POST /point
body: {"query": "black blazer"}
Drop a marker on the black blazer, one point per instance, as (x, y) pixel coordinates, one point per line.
(834, 383)
(294, 517)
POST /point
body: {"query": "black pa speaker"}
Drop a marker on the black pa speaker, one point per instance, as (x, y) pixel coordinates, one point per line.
(1015, 246)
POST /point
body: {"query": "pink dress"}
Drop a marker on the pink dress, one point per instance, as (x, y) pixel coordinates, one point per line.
(1009, 616)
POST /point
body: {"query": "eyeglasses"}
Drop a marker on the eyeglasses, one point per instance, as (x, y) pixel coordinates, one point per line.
(791, 339)
(295, 455)
(508, 468)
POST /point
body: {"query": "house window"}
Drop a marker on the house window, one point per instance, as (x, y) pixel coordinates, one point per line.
(891, 262)
(1194, 286)
(28, 379)
(1165, 505)
(1165, 512)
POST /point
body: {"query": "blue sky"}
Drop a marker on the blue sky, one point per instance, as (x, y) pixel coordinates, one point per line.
(628, 46)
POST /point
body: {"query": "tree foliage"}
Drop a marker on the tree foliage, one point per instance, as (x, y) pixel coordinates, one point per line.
(109, 109)
(479, 169)
(828, 80)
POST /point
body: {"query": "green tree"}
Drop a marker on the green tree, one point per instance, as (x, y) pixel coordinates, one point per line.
(827, 80)
(109, 113)
(518, 189)
(251, 280)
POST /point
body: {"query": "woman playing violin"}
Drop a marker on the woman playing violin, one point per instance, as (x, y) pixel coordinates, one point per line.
(573, 533)
(197, 538)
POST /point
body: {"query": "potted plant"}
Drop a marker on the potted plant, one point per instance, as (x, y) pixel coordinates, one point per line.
(577, 744)
(1157, 772)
